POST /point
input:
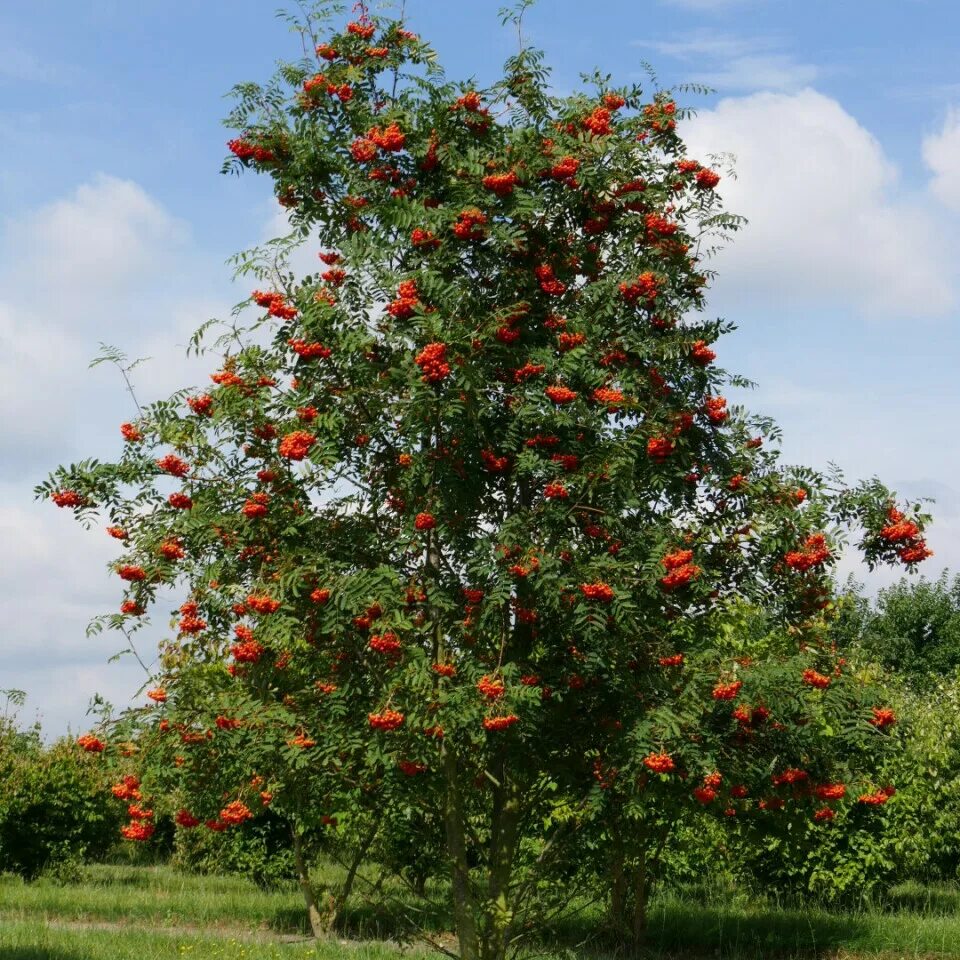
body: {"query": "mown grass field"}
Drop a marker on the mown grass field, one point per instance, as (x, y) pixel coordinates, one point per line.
(139, 913)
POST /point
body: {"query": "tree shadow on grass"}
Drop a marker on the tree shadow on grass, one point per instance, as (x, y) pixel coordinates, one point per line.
(685, 930)
(288, 920)
(105, 882)
(745, 934)
(675, 929)
(367, 920)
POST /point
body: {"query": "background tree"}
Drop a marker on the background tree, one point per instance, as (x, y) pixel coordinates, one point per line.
(912, 628)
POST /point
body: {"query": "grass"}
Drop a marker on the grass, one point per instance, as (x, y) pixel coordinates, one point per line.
(120, 912)
(758, 930)
(162, 896)
(33, 940)
(156, 896)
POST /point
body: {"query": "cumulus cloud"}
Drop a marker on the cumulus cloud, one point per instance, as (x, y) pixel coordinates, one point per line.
(829, 222)
(106, 263)
(941, 153)
(31, 353)
(53, 580)
(108, 235)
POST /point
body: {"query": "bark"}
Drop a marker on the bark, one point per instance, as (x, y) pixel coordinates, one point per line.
(343, 895)
(629, 889)
(640, 892)
(320, 921)
(619, 880)
(503, 847)
(618, 889)
(463, 901)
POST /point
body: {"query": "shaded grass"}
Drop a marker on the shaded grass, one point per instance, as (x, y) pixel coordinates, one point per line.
(757, 930)
(936, 898)
(162, 896)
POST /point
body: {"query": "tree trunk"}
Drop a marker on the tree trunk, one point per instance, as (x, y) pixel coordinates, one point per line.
(618, 878)
(618, 892)
(463, 901)
(503, 845)
(343, 894)
(320, 921)
(640, 890)
(629, 888)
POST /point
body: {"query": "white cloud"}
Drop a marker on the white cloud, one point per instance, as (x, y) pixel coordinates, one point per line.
(105, 237)
(29, 348)
(828, 223)
(52, 582)
(738, 63)
(106, 263)
(710, 45)
(941, 152)
(885, 430)
(759, 72)
(706, 6)
(94, 266)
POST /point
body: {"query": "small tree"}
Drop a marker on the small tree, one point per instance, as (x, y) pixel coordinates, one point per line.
(466, 508)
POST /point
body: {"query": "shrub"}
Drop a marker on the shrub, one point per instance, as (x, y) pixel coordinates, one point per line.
(55, 804)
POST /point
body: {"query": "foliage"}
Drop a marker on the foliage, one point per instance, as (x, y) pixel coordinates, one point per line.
(259, 849)
(913, 628)
(911, 838)
(55, 805)
(922, 826)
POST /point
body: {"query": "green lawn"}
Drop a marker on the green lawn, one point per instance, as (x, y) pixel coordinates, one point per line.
(120, 912)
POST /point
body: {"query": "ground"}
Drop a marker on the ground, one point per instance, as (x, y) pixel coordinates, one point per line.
(156, 913)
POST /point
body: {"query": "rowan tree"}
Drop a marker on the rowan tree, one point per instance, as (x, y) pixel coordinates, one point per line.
(464, 511)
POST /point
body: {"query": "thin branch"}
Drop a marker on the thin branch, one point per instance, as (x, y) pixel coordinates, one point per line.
(134, 651)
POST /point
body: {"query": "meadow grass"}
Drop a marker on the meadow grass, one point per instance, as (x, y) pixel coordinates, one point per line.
(116, 912)
(759, 930)
(163, 896)
(33, 940)
(155, 895)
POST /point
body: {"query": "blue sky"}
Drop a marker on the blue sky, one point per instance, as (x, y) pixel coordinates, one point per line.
(115, 224)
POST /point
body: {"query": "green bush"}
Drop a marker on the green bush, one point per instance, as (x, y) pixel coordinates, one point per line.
(55, 805)
(922, 822)
(863, 853)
